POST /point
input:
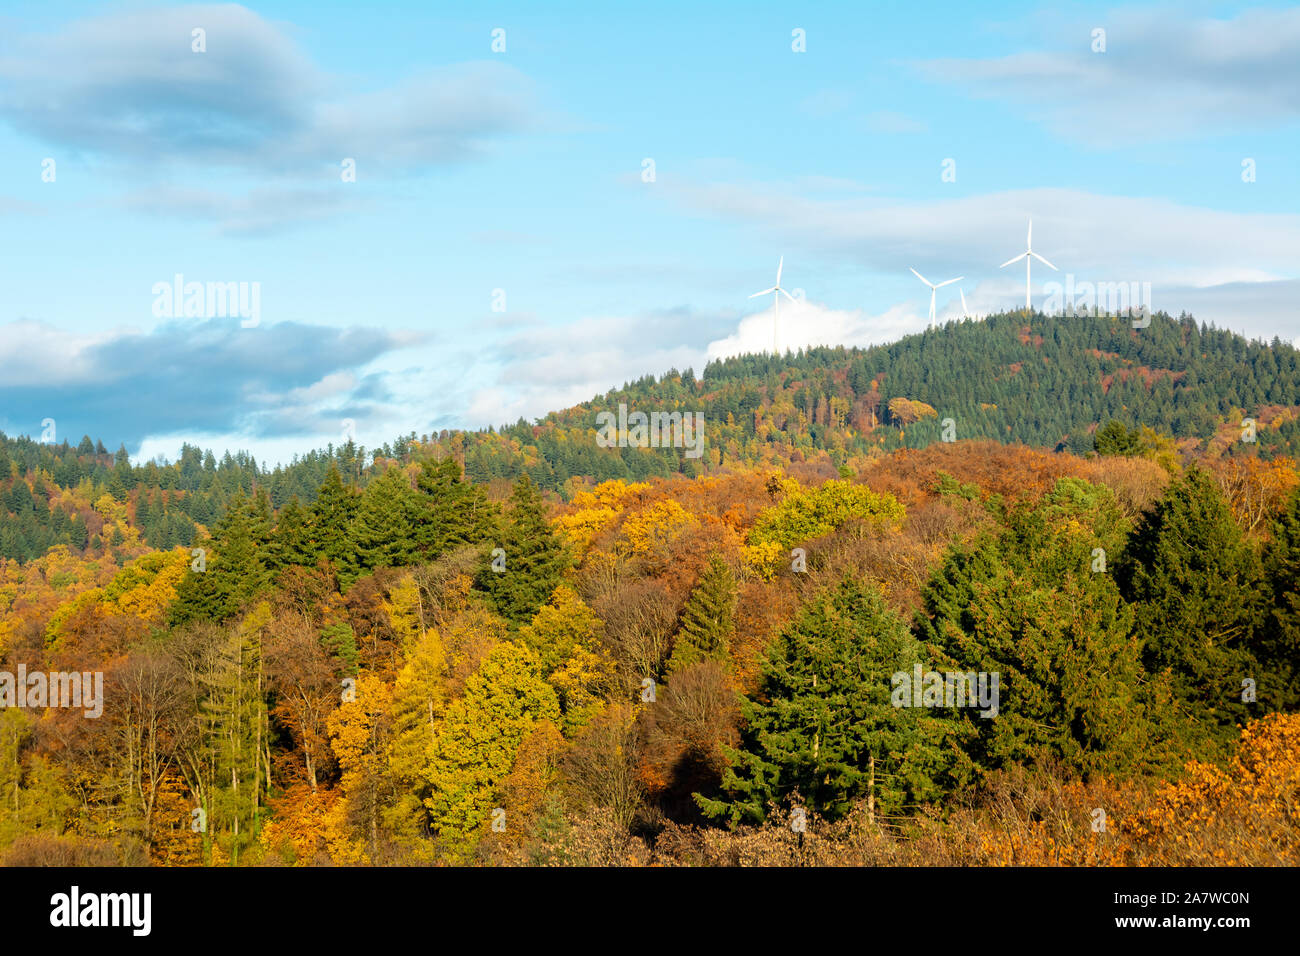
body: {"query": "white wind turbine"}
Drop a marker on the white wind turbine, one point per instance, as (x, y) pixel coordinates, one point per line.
(776, 292)
(1029, 255)
(934, 287)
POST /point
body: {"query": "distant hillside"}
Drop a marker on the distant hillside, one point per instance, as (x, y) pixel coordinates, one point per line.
(1039, 381)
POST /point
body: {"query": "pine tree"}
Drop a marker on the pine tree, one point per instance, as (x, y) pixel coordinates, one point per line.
(534, 558)
(331, 521)
(1278, 643)
(822, 722)
(1193, 579)
(383, 530)
(291, 544)
(708, 620)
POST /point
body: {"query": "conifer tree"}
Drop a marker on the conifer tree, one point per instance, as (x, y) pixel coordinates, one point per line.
(291, 544)
(233, 570)
(822, 722)
(1032, 605)
(1278, 644)
(1192, 578)
(331, 521)
(450, 512)
(383, 530)
(534, 558)
(708, 620)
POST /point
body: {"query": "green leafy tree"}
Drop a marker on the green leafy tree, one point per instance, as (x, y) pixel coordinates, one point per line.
(477, 743)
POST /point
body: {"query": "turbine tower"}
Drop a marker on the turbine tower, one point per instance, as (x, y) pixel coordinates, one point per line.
(934, 287)
(776, 292)
(1029, 255)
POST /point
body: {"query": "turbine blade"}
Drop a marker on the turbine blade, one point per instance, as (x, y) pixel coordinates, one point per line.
(1029, 240)
(764, 292)
(919, 276)
(787, 295)
(1016, 259)
(779, 263)
(1044, 262)
(964, 311)
(949, 282)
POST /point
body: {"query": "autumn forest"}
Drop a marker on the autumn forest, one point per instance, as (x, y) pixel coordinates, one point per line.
(516, 647)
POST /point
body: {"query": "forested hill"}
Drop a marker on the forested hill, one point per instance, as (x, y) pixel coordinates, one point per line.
(1040, 381)
(1034, 380)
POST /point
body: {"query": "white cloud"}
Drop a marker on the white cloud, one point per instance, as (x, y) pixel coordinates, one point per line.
(1163, 75)
(805, 324)
(128, 85)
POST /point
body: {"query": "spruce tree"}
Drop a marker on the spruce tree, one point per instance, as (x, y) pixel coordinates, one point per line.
(383, 530)
(1032, 604)
(450, 511)
(331, 521)
(291, 544)
(1278, 643)
(534, 558)
(708, 620)
(1192, 578)
(822, 722)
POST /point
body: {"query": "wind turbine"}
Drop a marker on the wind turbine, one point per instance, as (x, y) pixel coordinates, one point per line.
(1028, 255)
(934, 287)
(776, 292)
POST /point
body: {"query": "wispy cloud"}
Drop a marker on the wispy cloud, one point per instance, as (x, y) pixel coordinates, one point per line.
(129, 86)
(1163, 75)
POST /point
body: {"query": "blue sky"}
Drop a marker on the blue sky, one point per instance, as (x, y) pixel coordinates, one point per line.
(522, 171)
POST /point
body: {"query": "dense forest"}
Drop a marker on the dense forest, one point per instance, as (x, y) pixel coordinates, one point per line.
(515, 646)
(991, 378)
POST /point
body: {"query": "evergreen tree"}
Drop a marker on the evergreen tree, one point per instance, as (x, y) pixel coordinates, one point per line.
(233, 570)
(383, 531)
(331, 521)
(451, 512)
(1193, 579)
(822, 722)
(291, 544)
(1278, 644)
(708, 620)
(1032, 604)
(534, 558)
